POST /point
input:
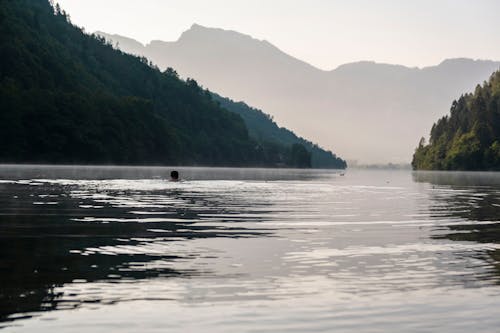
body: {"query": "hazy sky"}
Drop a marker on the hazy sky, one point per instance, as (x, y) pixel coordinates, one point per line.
(325, 33)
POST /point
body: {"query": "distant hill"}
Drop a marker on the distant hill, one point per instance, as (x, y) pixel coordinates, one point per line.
(69, 97)
(364, 111)
(262, 128)
(469, 137)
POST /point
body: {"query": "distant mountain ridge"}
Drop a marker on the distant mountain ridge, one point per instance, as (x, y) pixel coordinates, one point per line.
(364, 110)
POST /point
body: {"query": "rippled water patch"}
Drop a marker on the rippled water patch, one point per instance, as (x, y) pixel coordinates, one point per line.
(256, 250)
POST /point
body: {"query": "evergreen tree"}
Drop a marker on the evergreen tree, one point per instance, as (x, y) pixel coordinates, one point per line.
(469, 138)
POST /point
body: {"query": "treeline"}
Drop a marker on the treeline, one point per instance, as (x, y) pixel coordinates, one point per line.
(268, 134)
(69, 97)
(469, 138)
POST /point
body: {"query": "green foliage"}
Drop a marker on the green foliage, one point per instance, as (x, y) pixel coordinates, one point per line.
(69, 97)
(271, 137)
(467, 139)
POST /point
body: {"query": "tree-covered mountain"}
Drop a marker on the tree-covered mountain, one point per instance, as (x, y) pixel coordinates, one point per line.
(69, 97)
(360, 110)
(468, 138)
(262, 128)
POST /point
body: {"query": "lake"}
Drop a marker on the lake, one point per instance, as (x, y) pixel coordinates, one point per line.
(121, 249)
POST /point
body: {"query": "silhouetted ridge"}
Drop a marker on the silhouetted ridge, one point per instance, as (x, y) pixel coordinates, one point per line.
(198, 32)
(262, 128)
(462, 61)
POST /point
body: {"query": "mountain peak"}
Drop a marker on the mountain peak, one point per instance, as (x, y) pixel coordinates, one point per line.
(196, 26)
(370, 67)
(199, 32)
(463, 61)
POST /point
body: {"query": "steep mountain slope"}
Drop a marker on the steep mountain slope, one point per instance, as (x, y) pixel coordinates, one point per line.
(262, 128)
(366, 111)
(68, 97)
(468, 138)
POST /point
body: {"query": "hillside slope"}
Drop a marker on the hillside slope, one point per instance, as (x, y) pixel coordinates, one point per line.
(469, 137)
(68, 97)
(262, 128)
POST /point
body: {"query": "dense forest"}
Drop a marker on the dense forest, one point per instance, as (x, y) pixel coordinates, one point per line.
(468, 138)
(70, 97)
(264, 130)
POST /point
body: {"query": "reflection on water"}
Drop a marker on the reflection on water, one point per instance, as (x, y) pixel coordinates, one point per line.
(62, 231)
(468, 196)
(103, 248)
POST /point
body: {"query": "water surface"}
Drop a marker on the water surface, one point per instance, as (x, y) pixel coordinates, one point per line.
(106, 249)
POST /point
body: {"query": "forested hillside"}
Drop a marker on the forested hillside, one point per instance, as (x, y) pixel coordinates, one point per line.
(69, 97)
(468, 138)
(262, 128)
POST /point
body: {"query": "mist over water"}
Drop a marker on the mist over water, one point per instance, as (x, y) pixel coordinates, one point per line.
(237, 250)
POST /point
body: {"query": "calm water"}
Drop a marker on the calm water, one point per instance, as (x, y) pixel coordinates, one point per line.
(248, 250)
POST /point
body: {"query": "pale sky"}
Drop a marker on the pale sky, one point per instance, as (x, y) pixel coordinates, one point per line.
(325, 33)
